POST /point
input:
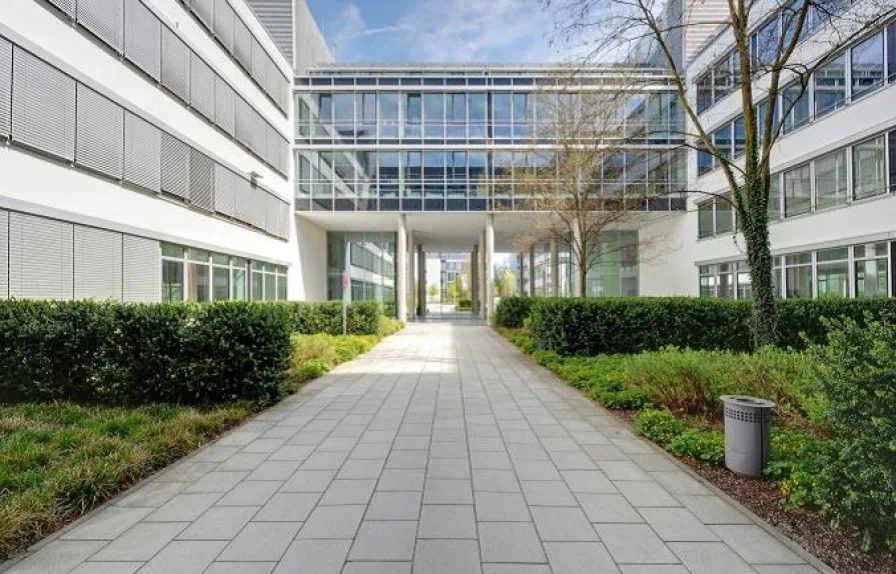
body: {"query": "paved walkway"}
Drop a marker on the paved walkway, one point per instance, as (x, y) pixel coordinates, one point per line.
(442, 451)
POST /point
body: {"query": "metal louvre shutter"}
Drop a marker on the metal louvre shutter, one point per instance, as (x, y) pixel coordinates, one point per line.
(225, 190)
(284, 220)
(272, 81)
(202, 87)
(142, 153)
(143, 38)
(242, 43)
(272, 146)
(100, 133)
(175, 65)
(97, 263)
(257, 133)
(4, 254)
(224, 106)
(5, 86)
(141, 275)
(40, 257)
(105, 19)
(283, 157)
(201, 177)
(224, 24)
(271, 217)
(259, 67)
(175, 166)
(259, 207)
(43, 106)
(67, 6)
(204, 9)
(243, 122)
(243, 200)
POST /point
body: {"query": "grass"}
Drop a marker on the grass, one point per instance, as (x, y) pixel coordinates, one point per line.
(58, 461)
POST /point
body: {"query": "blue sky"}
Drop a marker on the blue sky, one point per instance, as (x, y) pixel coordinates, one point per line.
(435, 30)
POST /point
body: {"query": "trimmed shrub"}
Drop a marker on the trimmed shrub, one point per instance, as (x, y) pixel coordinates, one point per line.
(512, 311)
(464, 304)
(631, 325)
(681, 437)
(87, 351)
(306, 317)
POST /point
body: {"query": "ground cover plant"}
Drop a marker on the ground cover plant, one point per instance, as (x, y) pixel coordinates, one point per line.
(834, 428)
(95, 396)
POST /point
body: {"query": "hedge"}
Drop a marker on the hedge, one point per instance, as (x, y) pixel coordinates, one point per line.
(512, 311)
(309, 318)
(630, 325)
(106, 352)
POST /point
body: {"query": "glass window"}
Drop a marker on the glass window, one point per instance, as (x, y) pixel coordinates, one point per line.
(891, 52)
(457, 116)
(721, 79)
(238, 280)
(832, 270)
(830, 85)
(776, 276)
(172, 280)
(270, 286)
(794, 106)
(478, 114)
(704, 92)
(303, 119)
(366, 105)
(704, 160)
(413, 115)
(175, 251)
(797, 191)
(434, 173)
(726, 281)
(740, 137)
(724, 216)
(871, 270)
(831, 183)
(744, 281)
(502, 105)
(867, 65)
(522, 116)
(413, 174)
(388, 115)
(706, 225)
(221, 283)
(721, 139)
(281, 287)
(198, 282)
(764, 45)
(708, 281)
(434, 115)
(344, 115)
(869, 165)
(798, 275)
(892, 138)
(774, 196)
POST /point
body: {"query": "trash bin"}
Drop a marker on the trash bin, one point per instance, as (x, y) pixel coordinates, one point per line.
(747, 434)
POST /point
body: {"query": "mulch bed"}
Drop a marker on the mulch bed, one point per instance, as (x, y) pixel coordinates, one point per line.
(840, 549)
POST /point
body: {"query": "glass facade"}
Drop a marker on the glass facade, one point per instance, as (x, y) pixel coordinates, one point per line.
(369, 259)
(448, 140)
(196, 275)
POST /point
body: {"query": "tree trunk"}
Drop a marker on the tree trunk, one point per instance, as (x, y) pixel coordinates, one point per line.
(764, 320)
(581, 290)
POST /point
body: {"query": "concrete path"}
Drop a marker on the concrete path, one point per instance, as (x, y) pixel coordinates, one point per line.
(443, 451)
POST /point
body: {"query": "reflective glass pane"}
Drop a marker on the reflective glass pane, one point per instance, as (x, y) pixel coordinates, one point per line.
(867, 65)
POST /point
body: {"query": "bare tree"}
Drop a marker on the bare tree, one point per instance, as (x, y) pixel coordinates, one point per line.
(769, 63)
(575, 184)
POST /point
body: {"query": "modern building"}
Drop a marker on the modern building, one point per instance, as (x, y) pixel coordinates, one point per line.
(211, 149)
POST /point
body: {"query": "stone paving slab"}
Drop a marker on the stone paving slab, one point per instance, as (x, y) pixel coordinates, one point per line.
(443, 450)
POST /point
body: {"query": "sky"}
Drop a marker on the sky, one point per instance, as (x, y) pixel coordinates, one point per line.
(385, 31)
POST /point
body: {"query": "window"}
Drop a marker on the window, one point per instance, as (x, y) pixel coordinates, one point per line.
(831, 184)
(744, 281)
(198, 276)
(867, 65)
(798, 275)
(721, 79)
(478, 112)
(705, 221)
(871, 264)
(303, 118)
(257, 282)
(891, 52)
(774, 196)
(832, 270)
(764, 44)
(776, 276)
(522, 116)
(220, 277)
(366, 110)
(502, 105)
(740, 137)
(704, 92)
(704, 160)
(239, 279)
(388, 115)
(721, 139)
(457, 116)
(413, 115)
(797, 191)
(868, 164)
(794, 106)
(708, 281)
(724, 215)
(172, 273)
(830, 86)
(726, 281)
(434, 116)
(344, 115)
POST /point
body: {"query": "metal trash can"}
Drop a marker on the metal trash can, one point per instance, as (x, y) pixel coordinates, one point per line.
(747, 433)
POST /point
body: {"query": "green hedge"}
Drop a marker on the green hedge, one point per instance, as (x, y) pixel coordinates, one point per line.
(512, 311)
(630, 325)
(309, 318)
(86, 352)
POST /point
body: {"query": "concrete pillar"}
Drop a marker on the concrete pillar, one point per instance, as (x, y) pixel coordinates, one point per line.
(555, 269)
(489, 265)
(521, 287)
(401, 281)
(412, 276)
(421, 281)
(474, 276)
(532, 271)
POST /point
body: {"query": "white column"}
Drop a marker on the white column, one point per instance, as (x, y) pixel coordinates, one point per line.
(412, 275)
(474, 276)
(532, 271)
(555, 269)
(489, 265)
(401, 281)
(522, 279)
(421, 281)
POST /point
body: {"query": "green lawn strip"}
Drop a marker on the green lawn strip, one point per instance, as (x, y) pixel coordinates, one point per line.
(58, 461)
